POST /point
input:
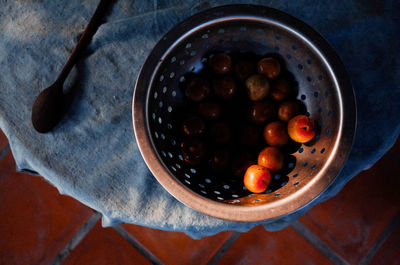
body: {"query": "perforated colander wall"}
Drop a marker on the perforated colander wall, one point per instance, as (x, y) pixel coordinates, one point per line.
(317, 89)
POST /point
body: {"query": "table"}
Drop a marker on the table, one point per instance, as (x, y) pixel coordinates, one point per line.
(92, 154)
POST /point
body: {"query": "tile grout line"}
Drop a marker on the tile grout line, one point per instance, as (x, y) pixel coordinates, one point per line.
(319, 244)
(224, 248)
(76, 239)
(137, 245)
(4, 151)
(381, 240)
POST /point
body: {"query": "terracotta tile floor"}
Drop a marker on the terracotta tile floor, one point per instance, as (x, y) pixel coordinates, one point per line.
(361, 225)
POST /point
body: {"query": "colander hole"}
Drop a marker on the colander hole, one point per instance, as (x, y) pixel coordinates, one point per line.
(322, 150)
(276, 48)
(182, 62)
(187, 181)
(319, 110)
(243, 28)
(300, 66)
(173, 93)
(317, 138)
(161, 78)
(319, 123)
(288, 56)
(251, 40)
(303, 97)
(193, 53)
(153, 115)
(320, 77)
(173, 168)
(316, 94)
(328, 132)
(205, 36)
(252, 195)
(329, 113)
(187, 175)
(309, 61)
(164, 154)
(206, 46)
(169, 109)
(277, 194)
(188, 45)
(268, 191)
(171, 75)
(182, 79)
(155, 95)
(277, 176)
(226, 187)
(301, 150)
(284, 184)
(173, 142)
(164, 89)
(220, 41)
(257, 200)
(291, 165)
(217, 192)
(193, 170)
(260, 31)
(178, 166)
(236, 201)
(201, 185)
(173, 59)
(235, 196)
(169, 126)
(278, 37)
(162, 136)
(313, 151)
(296, 183)
(220, 198)
(305, 164)
(308, 114)
(309, 79)
(203, 191)
(221, 31)
(203, 60)
(156, 134)
(313, 166)
(235, 39)
(327, 93)
(207, 180)
(160, 104)
(180, 157)
(170, 155)
(264, 43)
(159, 120)
(295, 175)
(294, 47)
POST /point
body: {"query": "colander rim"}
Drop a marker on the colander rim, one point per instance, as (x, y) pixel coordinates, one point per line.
(269, 211)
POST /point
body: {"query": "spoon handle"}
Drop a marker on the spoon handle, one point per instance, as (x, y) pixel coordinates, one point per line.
(87, 35)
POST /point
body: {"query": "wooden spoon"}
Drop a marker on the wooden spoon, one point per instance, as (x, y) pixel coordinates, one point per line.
(49, 106)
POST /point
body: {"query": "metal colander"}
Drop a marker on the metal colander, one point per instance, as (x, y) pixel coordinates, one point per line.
(323, 86)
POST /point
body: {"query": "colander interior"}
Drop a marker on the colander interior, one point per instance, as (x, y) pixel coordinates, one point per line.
(316, 85)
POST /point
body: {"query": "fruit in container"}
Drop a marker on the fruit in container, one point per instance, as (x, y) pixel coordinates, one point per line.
(301, 129)
(275, 133)
(271, 158)
(220, 63)
(257, 87)
(269, 67)
(257, 178)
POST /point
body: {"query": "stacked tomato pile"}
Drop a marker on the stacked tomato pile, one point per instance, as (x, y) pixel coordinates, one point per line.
(240, 116)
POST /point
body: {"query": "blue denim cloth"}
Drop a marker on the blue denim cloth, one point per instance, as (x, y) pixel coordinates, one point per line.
(92, 154)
